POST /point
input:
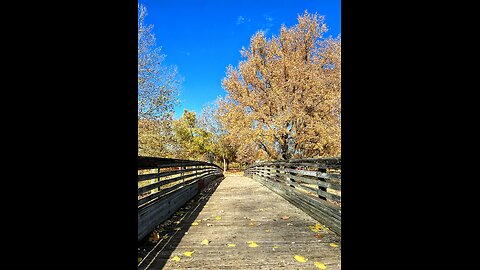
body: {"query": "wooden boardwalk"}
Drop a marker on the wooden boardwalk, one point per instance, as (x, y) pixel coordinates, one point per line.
(246, 226)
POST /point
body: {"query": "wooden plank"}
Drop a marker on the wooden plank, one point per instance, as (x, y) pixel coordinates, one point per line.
(168, 181)
(299, 179)
(154, 162)
(144, 177)
(155, 196)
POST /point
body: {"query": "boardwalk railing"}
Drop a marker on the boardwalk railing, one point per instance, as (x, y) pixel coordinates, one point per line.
(313, 185)
(165, 185)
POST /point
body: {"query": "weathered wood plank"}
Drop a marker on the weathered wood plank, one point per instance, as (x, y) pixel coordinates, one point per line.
(168, 181)
(162, 192)
(144, 177)
(249, 211)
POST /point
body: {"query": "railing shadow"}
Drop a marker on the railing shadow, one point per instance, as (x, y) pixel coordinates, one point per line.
(154, 255)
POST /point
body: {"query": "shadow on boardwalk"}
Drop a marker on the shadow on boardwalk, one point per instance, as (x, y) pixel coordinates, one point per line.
(155, 255)
(247, 227)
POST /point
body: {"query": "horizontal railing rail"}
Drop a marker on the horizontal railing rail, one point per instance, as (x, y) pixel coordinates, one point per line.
(165, 185)
(312, 184)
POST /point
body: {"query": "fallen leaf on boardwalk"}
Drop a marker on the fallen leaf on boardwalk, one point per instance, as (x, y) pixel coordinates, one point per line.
(333, 245)
(188, 253)
(276, 246)
(320, 265)
(289, 224)
(285, 217)
(205, 242)
(319, 236)
(252, 244)
(206, 206)
(176, 258)
(165, 236)
(199, 220)
(177, 228)
(208, 224)
(177, 222)
(231, 245)
(218, 218)
(195, 223)
(139, 259)
(267, 230)
(313, 228)
(205, 219)
(300, 258)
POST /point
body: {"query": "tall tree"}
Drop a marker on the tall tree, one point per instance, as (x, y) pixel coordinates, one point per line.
(158, 87)
(284, 98)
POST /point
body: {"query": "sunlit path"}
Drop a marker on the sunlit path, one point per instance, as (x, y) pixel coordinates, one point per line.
(246, 226)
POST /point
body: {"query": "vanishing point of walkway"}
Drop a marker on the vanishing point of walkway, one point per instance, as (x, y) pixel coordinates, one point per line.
(244, 225)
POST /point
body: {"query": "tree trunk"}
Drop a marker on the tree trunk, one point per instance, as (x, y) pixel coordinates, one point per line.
(224, 165)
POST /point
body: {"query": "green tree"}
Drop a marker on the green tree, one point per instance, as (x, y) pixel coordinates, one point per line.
(191, 141)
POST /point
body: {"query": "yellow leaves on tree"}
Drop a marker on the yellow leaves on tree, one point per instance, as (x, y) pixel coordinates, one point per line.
(284, 98)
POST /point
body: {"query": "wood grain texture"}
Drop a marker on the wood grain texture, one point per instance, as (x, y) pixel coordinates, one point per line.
(248, 211)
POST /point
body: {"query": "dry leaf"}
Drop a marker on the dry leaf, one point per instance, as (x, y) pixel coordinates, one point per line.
(195, 223)
(252, 244)
(333, 245)
(165, 236)
(205, 242)
(218, 218)
(320, 265)
(176, 258)
(319, 236)
(285, 217)
(300, 258)
(231, 245)
(139, 259)
(188, 253)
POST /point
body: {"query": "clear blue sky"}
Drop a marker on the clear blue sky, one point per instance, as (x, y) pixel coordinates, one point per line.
(202, 37)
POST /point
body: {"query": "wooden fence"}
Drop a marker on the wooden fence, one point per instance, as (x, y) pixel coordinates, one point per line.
(313, 185)
(165, 185)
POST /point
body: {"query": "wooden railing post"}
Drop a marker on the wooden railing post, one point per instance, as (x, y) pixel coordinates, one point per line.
(322, 180)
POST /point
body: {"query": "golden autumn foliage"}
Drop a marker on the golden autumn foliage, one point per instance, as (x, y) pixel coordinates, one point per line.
(153, 137)
(283, 100)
